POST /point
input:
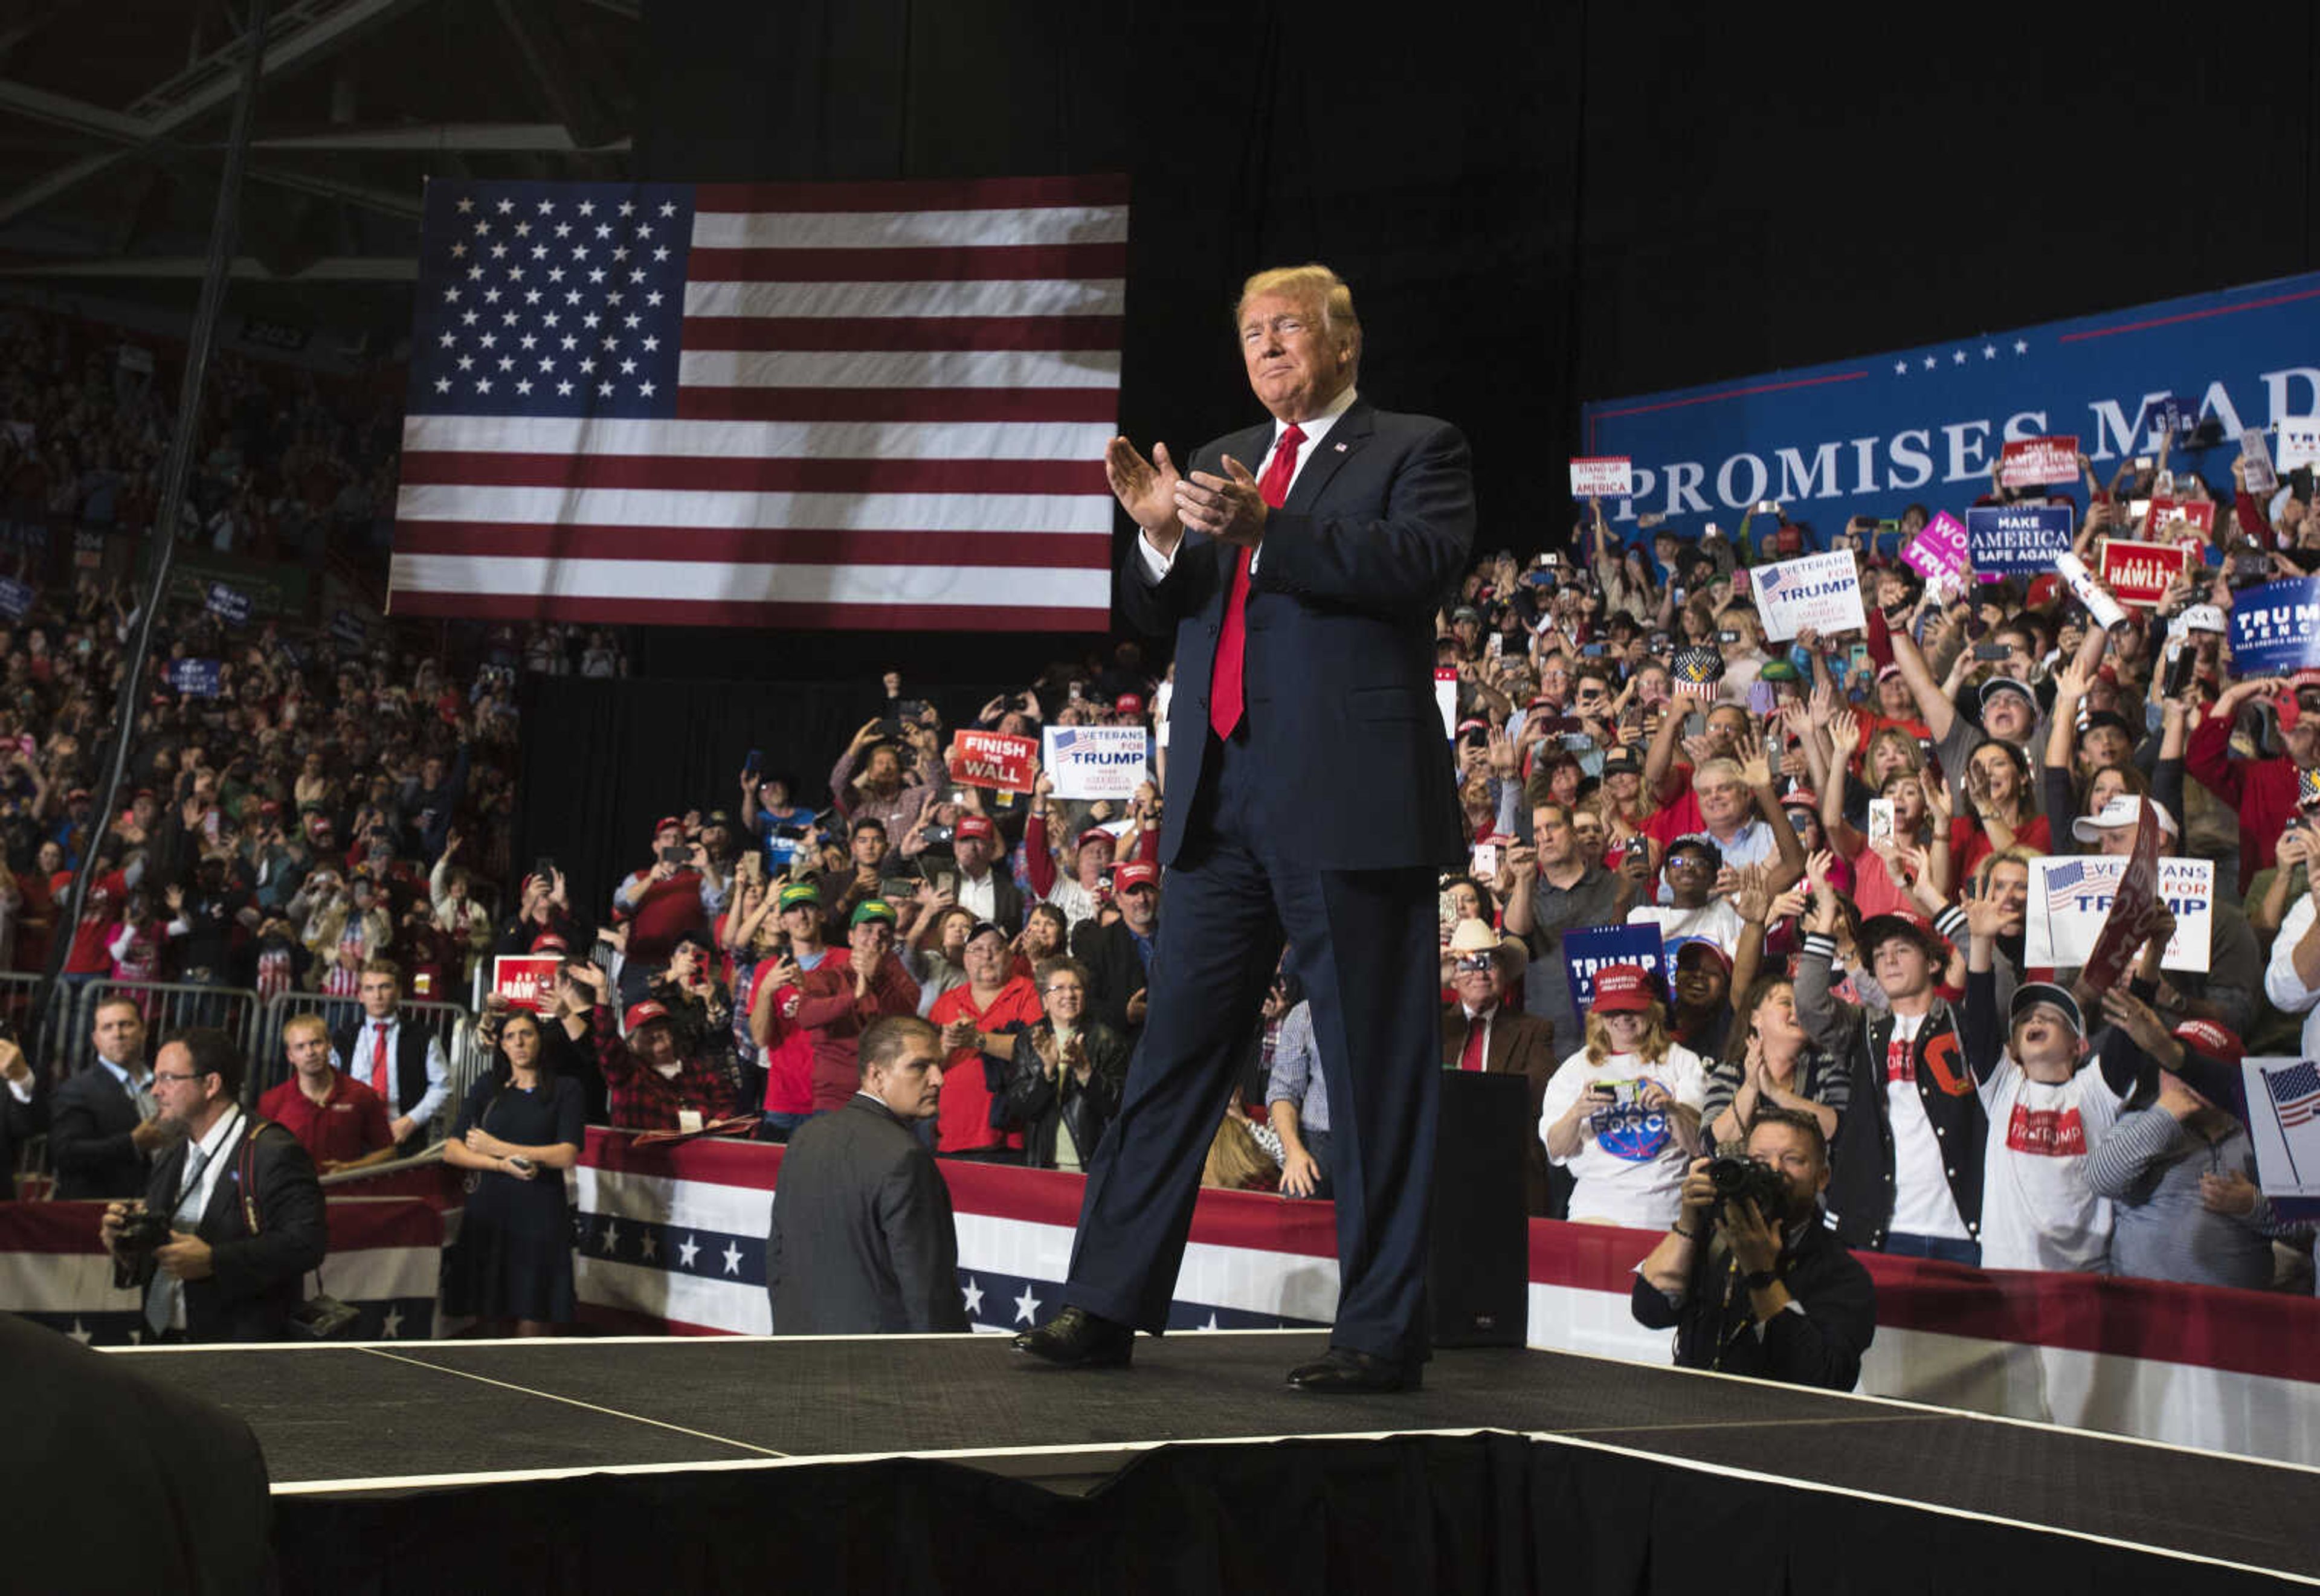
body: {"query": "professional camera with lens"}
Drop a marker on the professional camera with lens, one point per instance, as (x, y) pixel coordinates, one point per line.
(1744, 1180)
(140, 1233)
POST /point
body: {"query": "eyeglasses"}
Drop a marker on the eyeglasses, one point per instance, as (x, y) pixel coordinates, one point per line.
(1065, 992)
(166, 1075)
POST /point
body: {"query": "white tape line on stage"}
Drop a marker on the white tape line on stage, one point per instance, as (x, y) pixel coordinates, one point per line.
(1725, 1471)
(699, 1435)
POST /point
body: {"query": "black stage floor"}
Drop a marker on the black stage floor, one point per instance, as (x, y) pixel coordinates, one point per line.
(353, 1423)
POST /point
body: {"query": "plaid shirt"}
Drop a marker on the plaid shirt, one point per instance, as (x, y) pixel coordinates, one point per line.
(641, 1097)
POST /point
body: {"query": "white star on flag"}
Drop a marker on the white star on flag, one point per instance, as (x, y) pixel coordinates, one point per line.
(974, 1295)
(1929, 362)
(650, 1246)
(2021, 348)
(1989, 352)
(81, 1333)
(1900, 369)
(1027, 1307)
(732, 1257)
(1958, 357)
(391, 1327)
(611, 1236)
(1213, 1322)
(684, 1252)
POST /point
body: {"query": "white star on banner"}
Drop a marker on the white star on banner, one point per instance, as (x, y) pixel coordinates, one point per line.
(652, 1243)
(611, 1238)
(1958, 357)
(686, 1250)
(1900, 369)
(391, 1327)
(1929, 362)
(1212, 1322)
(1989, 352)
(974, 1295)
(1027, 1307)
(732, 1257)
(81, 1333)
(2021, 348)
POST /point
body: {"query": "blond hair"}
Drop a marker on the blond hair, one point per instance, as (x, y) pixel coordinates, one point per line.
(1651, 1049)
(1313, 284)
(1235, 1161)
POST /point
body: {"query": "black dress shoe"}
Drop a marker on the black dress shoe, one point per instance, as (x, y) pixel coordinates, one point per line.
(1344, 1369)
(1078, 1339)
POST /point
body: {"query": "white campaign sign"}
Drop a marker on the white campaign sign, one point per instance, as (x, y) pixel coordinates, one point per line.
(2069, 898)
(1820, 591)
(2299, 442)
(1604, 477)
(2283, 1125)
(1096, 761)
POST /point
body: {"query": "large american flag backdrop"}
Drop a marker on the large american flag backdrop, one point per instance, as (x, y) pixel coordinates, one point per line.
(820, 406)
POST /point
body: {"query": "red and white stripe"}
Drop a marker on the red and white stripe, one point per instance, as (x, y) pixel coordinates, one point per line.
(892, 408)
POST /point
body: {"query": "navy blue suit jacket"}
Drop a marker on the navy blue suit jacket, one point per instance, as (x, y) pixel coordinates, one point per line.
(90, 1118)
(1338, 664)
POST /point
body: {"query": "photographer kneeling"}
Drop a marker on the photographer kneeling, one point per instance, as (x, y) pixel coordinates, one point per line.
(1769, 1291)
(232, 1218)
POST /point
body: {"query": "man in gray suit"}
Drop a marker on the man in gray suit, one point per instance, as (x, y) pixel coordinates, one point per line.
(862, 1239)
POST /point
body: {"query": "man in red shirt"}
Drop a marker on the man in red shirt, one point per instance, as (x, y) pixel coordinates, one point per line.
(676, 893)
(979, 1022)
(340, 1122)
(837, 1000)
(786, 1047)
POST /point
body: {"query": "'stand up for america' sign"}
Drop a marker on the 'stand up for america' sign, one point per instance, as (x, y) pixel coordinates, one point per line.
(801, 404)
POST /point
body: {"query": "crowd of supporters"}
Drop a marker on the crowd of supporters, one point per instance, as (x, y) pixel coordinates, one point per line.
(1833, 836)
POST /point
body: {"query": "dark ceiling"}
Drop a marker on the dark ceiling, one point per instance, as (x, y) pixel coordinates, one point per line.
(114, 116)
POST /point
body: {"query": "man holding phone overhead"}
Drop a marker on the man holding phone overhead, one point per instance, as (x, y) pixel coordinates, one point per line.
(1300, 562)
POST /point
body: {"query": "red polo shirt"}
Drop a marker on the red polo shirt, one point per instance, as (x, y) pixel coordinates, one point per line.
(965, 1125)
(348, 1124)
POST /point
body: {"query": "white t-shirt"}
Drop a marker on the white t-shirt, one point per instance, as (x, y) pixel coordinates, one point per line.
(1715, 920)
(1629, 1167)
(1922, 1202)
(2036, 1209)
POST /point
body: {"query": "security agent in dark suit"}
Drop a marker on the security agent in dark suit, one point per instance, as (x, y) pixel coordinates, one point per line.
(862, 1240)
(1771, 1295)
(102, 1121)
(245, 1209)
(1310, 795)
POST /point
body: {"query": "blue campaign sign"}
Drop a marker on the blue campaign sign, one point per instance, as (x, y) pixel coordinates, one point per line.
(229, 605)
(16, 598)
(347, 630)
(2275, 627)
(1598, 948)
(2004, 539)
(195, 678)
(1874, 435)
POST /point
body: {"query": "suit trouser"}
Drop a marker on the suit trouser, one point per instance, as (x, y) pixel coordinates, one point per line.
(1367, 947)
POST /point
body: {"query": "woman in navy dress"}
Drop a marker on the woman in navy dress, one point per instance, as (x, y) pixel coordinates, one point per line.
(520, 1129)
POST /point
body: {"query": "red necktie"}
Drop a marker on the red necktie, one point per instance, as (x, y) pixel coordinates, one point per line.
(1471, 1060)
(1224, 680)
(378, 1057)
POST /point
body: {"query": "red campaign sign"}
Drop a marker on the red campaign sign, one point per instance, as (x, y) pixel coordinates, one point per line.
(2140, 572)
(2120, 938)
(994, 759)
(2200, 513)
(525, 979)
(2035, 462)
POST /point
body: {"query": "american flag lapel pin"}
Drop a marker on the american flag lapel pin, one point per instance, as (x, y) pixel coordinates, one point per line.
(1341, 449)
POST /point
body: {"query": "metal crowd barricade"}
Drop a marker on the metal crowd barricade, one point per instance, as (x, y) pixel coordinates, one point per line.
(167, 1006)
(448, 1022)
